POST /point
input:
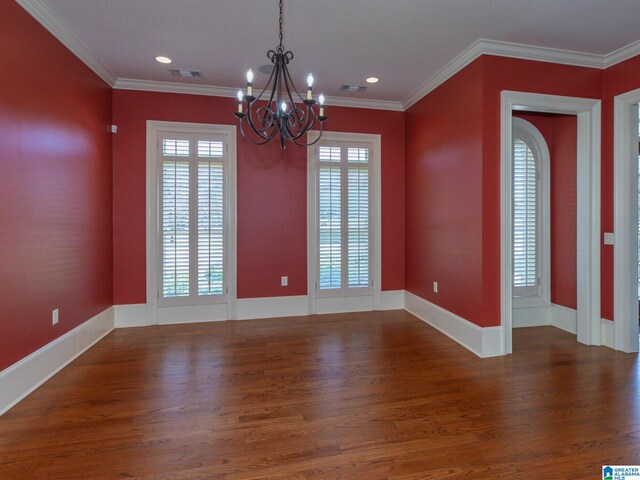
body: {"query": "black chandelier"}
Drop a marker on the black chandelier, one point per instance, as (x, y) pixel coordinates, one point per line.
(280, 115)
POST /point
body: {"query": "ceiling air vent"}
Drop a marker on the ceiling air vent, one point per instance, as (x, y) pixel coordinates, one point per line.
(186, 73)
(353, 88)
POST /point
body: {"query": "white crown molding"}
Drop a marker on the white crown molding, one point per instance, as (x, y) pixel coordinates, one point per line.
(58, 29)
(214, 91)
(540, 54)
(49, 21)
(511, 50)
(457, 64)
(622, 54)
(174, 87)
(365, 103)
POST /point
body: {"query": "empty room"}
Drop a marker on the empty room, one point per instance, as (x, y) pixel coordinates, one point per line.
(297, 239)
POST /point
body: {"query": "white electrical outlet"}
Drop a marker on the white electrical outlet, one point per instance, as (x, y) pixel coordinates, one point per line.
(435, 287)
(54, 317)
(284, 281)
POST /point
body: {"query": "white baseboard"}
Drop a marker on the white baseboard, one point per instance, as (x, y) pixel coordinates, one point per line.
(484, 342)
(392, 300)
(607, 335)
(362, 303)
(564, 318)
(192, 314)
(138, 315)
(531, 317)
(133, 315)
(23, 377)
(270, 307)
(555, 315)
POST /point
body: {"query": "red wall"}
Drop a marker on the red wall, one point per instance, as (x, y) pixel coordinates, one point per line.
(620, 78)
(271, 194)
(444, 195)
(560, 133)
(500, 74)
(453, 140)
(55, 188)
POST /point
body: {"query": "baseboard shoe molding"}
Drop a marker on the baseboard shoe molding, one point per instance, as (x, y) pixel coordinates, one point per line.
(25, 376)
(607, 334)
(484, 342)
(270, 307)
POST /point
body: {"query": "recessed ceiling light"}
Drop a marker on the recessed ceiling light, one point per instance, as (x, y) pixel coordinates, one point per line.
(162, 59)
(373, 80)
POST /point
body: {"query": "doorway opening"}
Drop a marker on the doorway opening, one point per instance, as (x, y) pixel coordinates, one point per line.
(544, 220)
(587, 198)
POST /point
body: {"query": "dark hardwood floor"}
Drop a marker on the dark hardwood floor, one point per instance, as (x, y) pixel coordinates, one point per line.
(356, 396)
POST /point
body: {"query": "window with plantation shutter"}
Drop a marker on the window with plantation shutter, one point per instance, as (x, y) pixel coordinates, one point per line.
(344, 219)
(192, 219)
(526, 221)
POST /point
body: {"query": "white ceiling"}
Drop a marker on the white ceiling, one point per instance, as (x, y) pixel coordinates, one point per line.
(404, 42)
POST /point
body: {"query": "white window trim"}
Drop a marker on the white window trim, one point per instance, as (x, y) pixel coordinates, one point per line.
(534, 139)
(157, 314)
(357, 302)
(588, 205)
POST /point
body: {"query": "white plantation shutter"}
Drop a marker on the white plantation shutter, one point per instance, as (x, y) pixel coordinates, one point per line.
(330, 226)
(210, 218)
(175, 218)
(193, 219)
(344, 211)
(526, 221)
(358, 218)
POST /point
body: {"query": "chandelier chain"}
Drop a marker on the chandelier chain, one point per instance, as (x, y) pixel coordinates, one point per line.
(281, 23)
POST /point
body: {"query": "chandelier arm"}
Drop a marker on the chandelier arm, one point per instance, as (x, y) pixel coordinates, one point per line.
(263, 131)
(276, 71)
(311, 143)
(303, 129)
(250, 123)
(288, 76)
(268, 114)
(267, 85)
(244, 135)
(264, 127)
(296, 120)
(258, 131)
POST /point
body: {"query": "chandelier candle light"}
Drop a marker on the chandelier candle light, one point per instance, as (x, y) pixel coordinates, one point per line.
(280, 116)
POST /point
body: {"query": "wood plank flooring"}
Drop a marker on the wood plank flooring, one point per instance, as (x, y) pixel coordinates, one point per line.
(367, 396)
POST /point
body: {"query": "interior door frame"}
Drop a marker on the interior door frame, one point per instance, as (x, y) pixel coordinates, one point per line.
(587, 111)
(625, 221)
